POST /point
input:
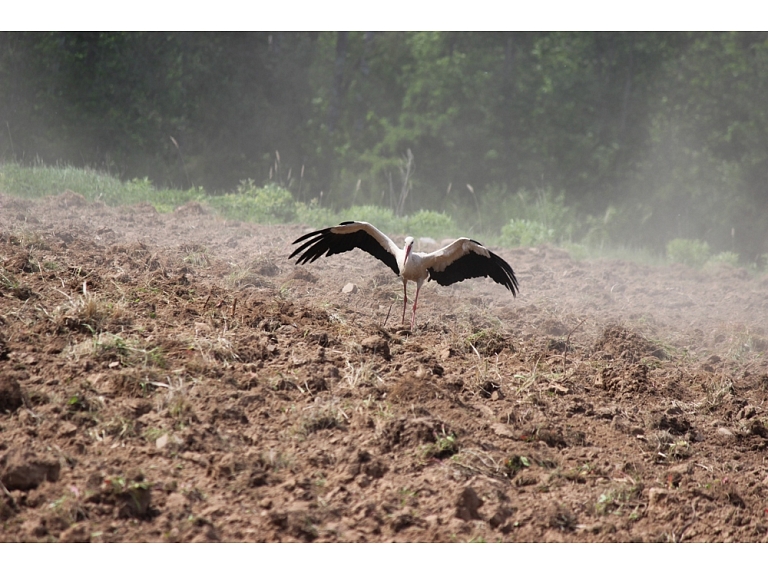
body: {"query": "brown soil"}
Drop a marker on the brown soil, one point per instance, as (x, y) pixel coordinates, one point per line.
(173, 377)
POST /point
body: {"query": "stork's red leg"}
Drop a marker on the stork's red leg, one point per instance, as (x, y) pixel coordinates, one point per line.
(405, 299)
(415, 301)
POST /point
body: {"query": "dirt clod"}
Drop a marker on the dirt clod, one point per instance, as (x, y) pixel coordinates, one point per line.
(377, 344)
(78, 533)
(467, 504)
(10, 392)
(25, 470)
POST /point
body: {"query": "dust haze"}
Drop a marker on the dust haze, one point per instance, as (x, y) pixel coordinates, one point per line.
(649, 137)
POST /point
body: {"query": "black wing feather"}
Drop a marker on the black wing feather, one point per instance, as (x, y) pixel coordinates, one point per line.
(327, 242)
(474, 265)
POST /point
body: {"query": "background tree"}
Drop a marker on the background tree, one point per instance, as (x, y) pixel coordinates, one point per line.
(650, 136)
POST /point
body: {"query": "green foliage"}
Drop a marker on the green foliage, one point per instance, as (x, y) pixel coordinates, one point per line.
(645, 136)
(515, 464)
(383, 218)
(525, 233)
(431, 224)
(312, 214)
(694, 253)
(532, 217)
(40, 181)
(445, 445)
(270, 204)
(730, 258)
(498, 206)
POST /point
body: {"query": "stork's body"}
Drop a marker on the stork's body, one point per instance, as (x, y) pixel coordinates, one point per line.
(460, 260)
(412, 269)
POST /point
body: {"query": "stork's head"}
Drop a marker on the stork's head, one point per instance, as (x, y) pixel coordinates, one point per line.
(408, 247)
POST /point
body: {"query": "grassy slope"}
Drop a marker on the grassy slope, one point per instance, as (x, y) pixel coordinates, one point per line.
(539, 217)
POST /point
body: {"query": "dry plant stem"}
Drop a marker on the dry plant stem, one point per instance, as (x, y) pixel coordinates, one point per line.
(568, 342)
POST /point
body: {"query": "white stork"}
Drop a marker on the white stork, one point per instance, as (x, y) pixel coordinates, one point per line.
(458, 261)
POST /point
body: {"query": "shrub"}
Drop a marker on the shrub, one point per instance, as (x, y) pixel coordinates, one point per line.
(694, 253)
(314, 215)
(543, 206)
(270, 204)
(39, 181)
(383, 218)
(525, 233)
(730, 258)
(433, 224)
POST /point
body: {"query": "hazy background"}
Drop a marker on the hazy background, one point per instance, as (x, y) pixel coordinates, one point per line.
(647, 136)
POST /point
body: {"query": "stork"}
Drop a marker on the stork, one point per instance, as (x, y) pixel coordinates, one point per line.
(460, 260)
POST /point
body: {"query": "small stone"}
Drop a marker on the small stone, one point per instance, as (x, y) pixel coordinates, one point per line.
(349, 288)
(67, 429)
(725, 434)
(503, 430)
(162, 441)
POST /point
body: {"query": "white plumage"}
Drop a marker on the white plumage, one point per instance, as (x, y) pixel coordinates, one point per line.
(462, 259)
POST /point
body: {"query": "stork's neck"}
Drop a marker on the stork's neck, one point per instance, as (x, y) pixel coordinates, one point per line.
(404, 257)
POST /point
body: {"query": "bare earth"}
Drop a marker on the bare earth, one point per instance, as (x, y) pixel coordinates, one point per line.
(173, 377)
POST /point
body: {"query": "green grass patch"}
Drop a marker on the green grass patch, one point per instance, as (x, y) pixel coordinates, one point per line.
(693, 253)
(525, 233)
(499, 218)
(41, 181)
(268, 205)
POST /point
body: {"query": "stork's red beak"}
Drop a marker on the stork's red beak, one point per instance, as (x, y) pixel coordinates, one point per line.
(408, 249)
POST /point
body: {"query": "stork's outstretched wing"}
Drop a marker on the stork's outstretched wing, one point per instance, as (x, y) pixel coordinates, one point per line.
(465, 259)
(346, 237)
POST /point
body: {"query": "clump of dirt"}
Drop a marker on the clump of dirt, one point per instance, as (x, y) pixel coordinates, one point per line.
(172, 377)
(622, 343)
(10, 393)
(25, 470)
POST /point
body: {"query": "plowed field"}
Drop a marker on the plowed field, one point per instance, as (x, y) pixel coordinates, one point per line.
(173, 377)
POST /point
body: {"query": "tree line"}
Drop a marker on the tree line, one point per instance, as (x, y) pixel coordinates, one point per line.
(651, 136)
